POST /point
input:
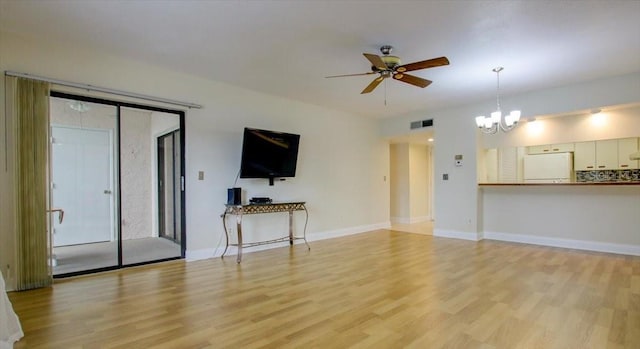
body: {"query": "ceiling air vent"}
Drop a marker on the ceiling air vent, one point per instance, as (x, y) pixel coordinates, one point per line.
(421, 124)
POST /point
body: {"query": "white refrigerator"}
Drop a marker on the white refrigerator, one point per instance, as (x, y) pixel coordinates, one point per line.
(548, 168)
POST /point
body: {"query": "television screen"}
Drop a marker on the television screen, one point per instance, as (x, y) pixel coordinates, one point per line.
(268, 154)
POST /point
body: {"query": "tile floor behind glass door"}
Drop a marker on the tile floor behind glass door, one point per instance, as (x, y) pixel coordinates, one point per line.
(76, 258)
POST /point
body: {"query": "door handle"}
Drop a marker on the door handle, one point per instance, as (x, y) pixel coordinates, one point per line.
(107, 191)
(61, 214)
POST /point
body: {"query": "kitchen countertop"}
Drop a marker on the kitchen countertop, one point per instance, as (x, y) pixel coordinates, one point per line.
(591, 184)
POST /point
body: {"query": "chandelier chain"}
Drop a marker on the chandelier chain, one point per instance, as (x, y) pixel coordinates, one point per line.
(497, 70)
(498, 89)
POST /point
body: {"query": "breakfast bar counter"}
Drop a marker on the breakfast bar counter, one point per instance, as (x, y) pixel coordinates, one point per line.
(590, 184)
(603, 216)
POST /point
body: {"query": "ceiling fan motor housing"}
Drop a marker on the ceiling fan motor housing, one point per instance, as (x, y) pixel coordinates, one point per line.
(390, 61)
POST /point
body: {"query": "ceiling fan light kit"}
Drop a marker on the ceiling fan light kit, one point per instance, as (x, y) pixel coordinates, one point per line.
(493, 123)
(387, 66)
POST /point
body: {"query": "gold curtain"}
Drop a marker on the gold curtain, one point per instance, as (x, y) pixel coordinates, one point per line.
(31, 120)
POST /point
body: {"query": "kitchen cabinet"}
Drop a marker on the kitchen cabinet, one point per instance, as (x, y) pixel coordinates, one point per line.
(626, 146)
(584, 157)
(607, 154)
(538, 149)
(610, 154)
(550, 148)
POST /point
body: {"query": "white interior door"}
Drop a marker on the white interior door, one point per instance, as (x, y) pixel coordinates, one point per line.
(82, 185)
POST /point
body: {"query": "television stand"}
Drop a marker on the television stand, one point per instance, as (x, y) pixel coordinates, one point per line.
(241, 210)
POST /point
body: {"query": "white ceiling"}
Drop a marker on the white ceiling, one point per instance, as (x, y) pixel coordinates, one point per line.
(286, 48)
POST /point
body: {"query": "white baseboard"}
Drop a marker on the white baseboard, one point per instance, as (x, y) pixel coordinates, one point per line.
(412, 220)
(194, 255)
(597, 246)
(455, 234)
(399, 220)
(347, 231)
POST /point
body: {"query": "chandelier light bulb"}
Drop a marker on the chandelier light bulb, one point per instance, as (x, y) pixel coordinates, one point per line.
(495, 116)
(508, 120)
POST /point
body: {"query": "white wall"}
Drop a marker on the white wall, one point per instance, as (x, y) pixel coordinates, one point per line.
(342, 160)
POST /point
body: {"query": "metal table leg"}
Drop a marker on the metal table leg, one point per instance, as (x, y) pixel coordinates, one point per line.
(226, 233)
(239, 226)
(304, 232)
(291, 227)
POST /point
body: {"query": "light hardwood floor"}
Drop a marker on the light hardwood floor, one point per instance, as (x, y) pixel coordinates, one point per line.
(382, 289)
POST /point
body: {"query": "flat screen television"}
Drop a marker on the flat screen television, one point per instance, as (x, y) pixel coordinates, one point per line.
(268, 154)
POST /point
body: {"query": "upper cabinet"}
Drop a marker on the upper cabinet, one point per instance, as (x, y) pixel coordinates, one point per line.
(584, 158)
(626, 147)
(550, 148)
(611, 154)
(607, 154)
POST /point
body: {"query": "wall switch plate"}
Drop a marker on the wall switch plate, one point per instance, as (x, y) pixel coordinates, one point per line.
(458, 160)
(445, 176)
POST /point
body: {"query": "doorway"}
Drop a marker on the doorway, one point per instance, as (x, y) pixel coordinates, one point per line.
(411, 182)
(104, 169)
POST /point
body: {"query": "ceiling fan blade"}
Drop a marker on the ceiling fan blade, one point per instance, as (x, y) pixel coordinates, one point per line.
(372, 85)
(340, 76)
(413, 80)
(376, 61)
(429, 63)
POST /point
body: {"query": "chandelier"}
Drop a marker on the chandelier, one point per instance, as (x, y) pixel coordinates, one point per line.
(495, 122)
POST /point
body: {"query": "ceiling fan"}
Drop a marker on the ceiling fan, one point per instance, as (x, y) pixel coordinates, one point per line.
(389, 66)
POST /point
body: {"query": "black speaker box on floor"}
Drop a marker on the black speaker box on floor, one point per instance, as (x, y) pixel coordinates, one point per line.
(234, 196)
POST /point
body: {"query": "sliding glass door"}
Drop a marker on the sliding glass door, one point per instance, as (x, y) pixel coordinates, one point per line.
(117, 175)
(149, 215)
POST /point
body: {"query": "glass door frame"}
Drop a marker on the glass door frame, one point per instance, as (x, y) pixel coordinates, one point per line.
(118, 204)
(163, 185)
